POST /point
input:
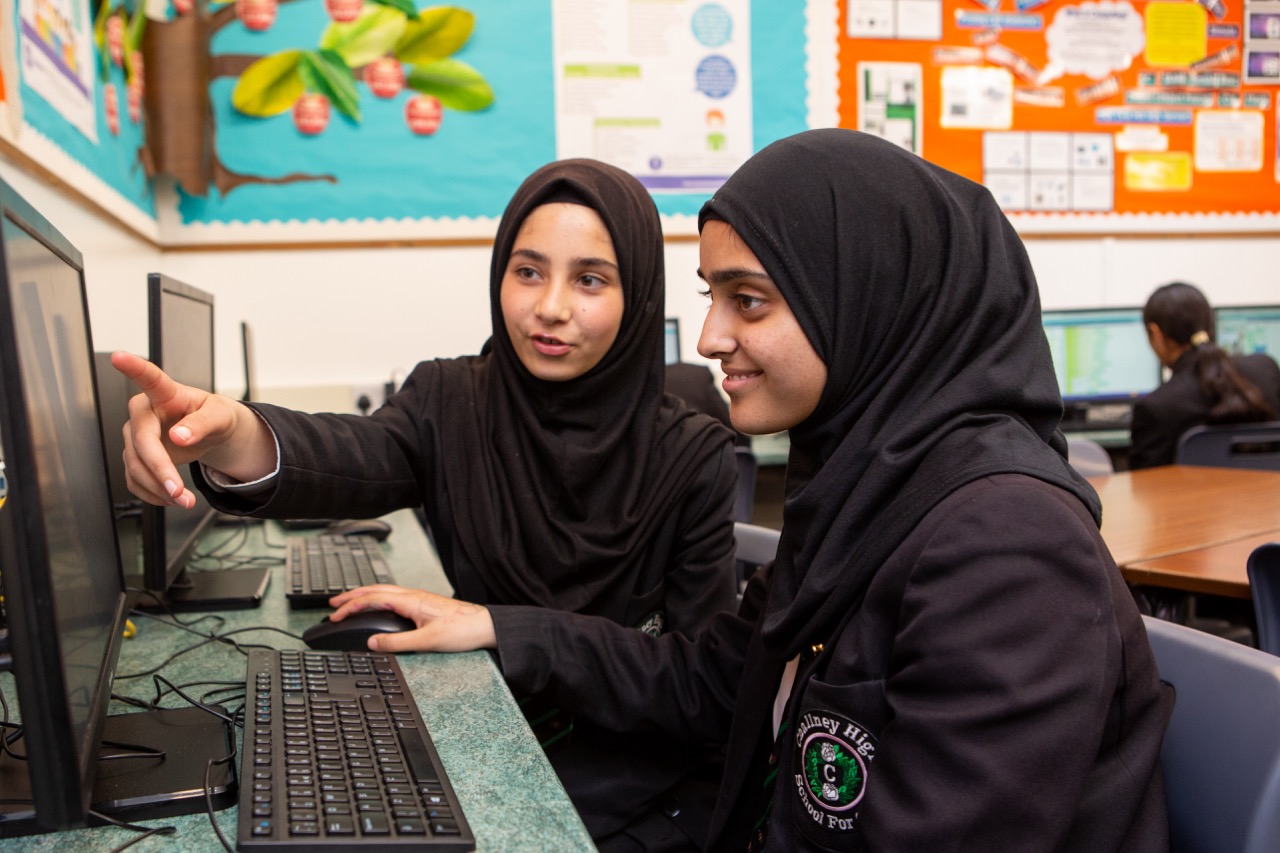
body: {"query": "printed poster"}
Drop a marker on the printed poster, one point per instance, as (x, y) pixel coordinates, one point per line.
(56, 50)
(662, 90)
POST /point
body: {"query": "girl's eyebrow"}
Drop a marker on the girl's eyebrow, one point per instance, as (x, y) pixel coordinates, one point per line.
(721, 276)
(539, 257)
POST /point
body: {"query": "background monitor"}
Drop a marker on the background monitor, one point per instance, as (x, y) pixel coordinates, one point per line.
(250, 364)
(1245, 329)
(1101, 355)
(180, 326)
(64, 602)
(671, 340)
(114, 391)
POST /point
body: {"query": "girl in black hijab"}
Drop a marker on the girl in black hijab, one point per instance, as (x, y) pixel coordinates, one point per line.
(1206, 384)
(544, 484)
(944, 656)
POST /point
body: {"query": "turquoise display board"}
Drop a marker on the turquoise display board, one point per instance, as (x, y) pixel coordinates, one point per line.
(356, 158)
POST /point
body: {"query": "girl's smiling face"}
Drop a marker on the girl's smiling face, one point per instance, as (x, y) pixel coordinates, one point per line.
(773, 375)
(561, 293)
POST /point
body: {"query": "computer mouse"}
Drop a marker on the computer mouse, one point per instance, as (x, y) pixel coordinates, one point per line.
(352, 634)
(375, 527)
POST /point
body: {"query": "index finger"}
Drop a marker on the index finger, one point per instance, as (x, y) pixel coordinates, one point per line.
(159, 387)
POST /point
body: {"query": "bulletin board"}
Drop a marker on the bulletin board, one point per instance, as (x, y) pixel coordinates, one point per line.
(228, 122)
(1084, 114)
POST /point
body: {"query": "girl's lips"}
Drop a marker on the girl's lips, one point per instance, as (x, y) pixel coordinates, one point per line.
(739, 380)
(550, 346)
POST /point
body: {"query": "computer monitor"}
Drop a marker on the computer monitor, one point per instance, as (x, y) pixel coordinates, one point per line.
(1101, 355)
(180, 325)
(64, 602)
(671, 340)
(114, 391)
(1245, 329)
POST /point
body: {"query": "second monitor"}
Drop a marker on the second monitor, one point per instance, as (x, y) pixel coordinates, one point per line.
(180, 327)
(1246, 329)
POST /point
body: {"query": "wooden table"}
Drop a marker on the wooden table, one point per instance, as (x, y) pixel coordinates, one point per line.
(1189, 527)
(1215, 570)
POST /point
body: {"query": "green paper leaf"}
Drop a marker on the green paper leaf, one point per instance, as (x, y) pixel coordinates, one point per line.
(325, 72)
(366, 38)
(133, 32)
(455, 83)
(269, 86)
(436, 33)
(405, 6)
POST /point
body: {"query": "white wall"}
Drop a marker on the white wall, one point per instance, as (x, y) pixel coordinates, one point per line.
(333, 318)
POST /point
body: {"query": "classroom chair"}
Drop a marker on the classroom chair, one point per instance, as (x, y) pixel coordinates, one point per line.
(1221, 752)
(1088, 457)
(1255, 446)
(1264, 584)
(754, 547)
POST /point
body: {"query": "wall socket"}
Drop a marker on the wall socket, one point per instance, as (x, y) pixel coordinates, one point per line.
(371, 396)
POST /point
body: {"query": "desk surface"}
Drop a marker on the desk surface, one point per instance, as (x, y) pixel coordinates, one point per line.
(1215, 570)
(1152, 516)
(509, 792)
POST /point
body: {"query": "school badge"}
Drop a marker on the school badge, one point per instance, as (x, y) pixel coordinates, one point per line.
(834, 756)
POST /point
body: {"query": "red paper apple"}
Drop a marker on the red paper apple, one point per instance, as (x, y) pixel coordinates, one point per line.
(423, 114)
(385, 77)
(343, 11)
(256, 15)
(311, 114)
(111, 101)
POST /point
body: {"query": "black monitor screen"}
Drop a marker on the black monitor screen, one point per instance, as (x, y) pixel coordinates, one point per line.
(181, 333)
(63, 591)
(1101, 355)
(671, 340)
(1249, 329)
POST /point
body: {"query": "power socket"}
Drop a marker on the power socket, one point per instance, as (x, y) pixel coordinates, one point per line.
(365, 399)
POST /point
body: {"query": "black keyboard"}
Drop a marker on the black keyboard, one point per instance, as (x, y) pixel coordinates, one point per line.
(337, 757)
(322, 565)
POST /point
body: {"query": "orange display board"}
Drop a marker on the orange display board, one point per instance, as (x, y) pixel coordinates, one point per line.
(1089, 109)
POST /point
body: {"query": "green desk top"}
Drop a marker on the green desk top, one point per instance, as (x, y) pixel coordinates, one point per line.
(508, 791)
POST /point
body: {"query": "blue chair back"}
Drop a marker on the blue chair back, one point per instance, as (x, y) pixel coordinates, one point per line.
(1221, 753)
(1264, 585)
(1255, 446)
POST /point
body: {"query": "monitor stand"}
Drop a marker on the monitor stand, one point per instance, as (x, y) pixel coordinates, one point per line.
(142, 788)
(238, 589)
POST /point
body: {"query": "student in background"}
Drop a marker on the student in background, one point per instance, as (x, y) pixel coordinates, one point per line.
(695, 384)
(1206, 385)
(944, 655)
(554, 471)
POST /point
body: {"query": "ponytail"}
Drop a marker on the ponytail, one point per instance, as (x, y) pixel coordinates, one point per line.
(1235, 399)
(1183, 316)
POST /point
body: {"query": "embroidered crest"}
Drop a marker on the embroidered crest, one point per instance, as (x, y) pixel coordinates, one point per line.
(834, 755)
(653, 624)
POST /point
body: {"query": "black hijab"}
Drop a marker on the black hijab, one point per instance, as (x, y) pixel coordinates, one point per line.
(557, 488)
(918, 296)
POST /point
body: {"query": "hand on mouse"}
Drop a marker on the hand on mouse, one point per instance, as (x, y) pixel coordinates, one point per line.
(171, 424)
(444, 624)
